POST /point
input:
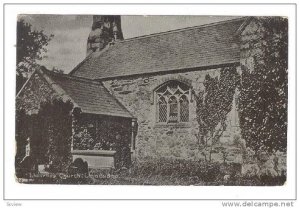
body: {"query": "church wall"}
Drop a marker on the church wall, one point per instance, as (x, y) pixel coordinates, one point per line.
(252, 43)
(166, 140)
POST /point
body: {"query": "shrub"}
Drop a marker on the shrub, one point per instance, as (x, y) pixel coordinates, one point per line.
(55, 125)
(177, 168)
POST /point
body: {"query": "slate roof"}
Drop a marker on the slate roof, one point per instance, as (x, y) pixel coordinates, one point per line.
(194, 47)
(91, 96)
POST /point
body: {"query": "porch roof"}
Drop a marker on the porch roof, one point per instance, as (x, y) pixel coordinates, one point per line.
(91, 96)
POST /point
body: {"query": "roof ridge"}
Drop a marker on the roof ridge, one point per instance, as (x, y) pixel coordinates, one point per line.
(80, 64)
(56, 87)
(126, 61)
(181, 29)
(91, 55)
(68, 76)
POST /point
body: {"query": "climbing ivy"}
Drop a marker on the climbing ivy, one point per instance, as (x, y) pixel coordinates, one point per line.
(213, 105)
(264, 89)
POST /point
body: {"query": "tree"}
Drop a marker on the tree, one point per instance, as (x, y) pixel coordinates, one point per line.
(29, 132)
(49, 132)
(213, 105)
(31, 45)
(56, 122)
(22, 133)
(264, 90)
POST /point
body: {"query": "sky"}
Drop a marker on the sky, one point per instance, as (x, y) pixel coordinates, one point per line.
(68, 47)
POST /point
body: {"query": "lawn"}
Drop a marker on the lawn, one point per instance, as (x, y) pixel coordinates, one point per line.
(164, 173)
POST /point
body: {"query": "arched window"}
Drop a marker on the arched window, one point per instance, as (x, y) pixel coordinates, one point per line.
(172, 101)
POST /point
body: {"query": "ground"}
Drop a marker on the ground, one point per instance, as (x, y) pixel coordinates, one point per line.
(203, 174)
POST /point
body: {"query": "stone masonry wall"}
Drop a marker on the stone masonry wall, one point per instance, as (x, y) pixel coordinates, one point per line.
(169, 140)
(251, 45)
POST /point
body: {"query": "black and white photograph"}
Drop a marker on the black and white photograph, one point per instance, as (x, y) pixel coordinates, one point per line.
(149, 104)
(151, 100)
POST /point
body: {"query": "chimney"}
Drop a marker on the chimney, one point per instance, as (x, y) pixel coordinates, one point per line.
(105, 29)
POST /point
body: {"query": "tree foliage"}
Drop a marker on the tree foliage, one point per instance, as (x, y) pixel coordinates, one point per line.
(22, 134)
(213, 105)
(31, 45)
(57, 122)
(49, 131)
(264, 90)
(28, 130)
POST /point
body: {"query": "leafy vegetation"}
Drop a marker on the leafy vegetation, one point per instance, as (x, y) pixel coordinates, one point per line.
(57, 122)
(264, 90)
(31, 45)
(213, 105)
(49, 133)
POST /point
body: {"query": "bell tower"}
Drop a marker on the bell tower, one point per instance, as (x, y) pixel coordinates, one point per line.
(106, 29)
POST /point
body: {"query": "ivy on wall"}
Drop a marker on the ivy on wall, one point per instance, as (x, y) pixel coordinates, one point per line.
(95, 132)
(263, 94)
(212, 106)
(264, 89)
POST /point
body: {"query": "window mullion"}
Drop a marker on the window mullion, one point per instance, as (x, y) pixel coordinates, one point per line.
(178, 111)
(168, 111)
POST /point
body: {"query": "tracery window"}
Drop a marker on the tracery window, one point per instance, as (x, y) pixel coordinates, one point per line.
(172, 101)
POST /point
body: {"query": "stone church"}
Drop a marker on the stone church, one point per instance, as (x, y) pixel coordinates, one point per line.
(140, 92)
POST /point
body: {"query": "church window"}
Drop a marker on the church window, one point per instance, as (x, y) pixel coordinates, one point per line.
(172, 101)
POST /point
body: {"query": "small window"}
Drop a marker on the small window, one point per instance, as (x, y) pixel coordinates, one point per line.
(172, 102)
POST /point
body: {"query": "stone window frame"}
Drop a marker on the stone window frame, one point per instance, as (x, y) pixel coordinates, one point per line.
(179, 94)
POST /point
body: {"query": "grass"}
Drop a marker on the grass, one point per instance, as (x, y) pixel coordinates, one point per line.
(164, 173)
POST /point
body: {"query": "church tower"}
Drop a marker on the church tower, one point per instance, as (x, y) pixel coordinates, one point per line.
(106, 29)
